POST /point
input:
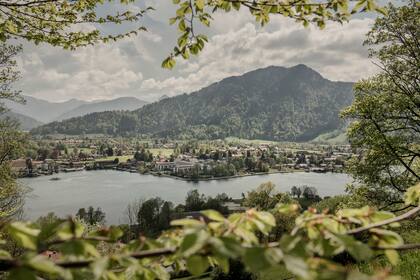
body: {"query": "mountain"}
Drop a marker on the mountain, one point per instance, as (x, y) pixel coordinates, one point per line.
(163, 97)
(273, 103)
(26, 123)
(122, 103)
(43, 110)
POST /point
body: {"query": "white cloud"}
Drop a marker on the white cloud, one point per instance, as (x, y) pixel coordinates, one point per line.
(335, 52)
(131, 67)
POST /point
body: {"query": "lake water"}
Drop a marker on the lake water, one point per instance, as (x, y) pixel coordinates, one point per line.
(113, 190)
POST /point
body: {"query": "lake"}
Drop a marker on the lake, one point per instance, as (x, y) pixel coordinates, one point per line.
(113, 190)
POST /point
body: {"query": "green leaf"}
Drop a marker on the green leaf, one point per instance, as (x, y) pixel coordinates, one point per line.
(297, 266)
(186, 222)
(197, 264)
(266, 218)
(22, 273)
(181, 25)
(200, 4)
(392, 256)
(43, 264)
(213, 215)
(70, 230)
(168, 63)
(357, 249)
(223, 263)
(115, 233)
(412, 195)
(287, 208)
(194, 242)
(24, 235)
(99, 266)
(255, 259)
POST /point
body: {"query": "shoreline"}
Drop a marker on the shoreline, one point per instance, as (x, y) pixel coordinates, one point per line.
(154, 173)
(221, 178)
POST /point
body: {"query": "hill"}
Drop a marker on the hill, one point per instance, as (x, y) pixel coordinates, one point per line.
(122, 103)
(43, 110)
(46, 111)
(26, 123)
(274, 103)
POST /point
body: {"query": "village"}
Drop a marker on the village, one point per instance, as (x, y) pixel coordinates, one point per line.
(188, 160)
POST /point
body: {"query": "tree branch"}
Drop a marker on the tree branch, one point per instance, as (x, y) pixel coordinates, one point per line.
(402, 217)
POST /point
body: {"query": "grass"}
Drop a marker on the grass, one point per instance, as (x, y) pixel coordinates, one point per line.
(248, 141)
(120, 158)
(85, 150)
(163, 152)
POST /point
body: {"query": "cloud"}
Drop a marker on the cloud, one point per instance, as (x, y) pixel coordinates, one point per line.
(131, 67)
(336, 52)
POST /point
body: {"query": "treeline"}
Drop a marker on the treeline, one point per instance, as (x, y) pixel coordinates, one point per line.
(152, 216)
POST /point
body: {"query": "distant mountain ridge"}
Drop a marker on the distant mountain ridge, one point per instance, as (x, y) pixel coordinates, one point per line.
(45, 111)
(25, 123)
(122, 103)
(274, 103)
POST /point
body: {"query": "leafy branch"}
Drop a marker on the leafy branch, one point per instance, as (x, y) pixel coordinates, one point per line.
(192, 12)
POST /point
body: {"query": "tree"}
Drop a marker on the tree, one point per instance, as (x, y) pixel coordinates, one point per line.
(132, 210)
(296, 192)
(109, 152)
(309, 192)
(55, 21)
(154, 216)
(386, 109)
(11, 140)
(262, 198)
(91, 216)
(8, 74)
(194, 201)
(165, 215)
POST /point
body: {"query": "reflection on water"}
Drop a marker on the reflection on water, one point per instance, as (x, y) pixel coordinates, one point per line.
(113, 190)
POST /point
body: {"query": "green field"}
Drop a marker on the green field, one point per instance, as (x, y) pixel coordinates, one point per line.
(120, 158)
(163, 152)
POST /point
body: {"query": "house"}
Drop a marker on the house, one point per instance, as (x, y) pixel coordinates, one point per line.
(183, 166)
(164, 165)
(234, 207)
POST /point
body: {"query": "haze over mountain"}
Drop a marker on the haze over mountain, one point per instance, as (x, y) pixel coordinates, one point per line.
(122, 103)
(26, 123)
(276, 103)
(45, 111)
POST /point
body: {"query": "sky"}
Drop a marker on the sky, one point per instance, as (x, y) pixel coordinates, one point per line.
(132, 67)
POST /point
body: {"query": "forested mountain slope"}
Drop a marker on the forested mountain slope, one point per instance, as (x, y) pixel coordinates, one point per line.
(276, 103)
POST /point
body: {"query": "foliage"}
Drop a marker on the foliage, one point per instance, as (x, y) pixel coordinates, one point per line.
(332, 204)
(191, 13)
(386, 110)
(310, 251)
(154, 216)
(143, 155)
(285, 104)
(264, 197)
(68, 24)
(91, 216)
(196, 202)
(8, 74)
(11, 140)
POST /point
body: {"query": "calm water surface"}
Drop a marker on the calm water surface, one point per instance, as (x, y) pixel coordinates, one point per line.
(113, 190)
